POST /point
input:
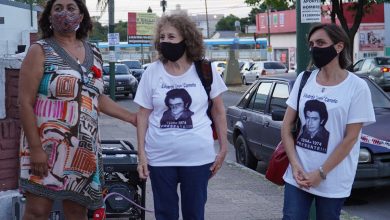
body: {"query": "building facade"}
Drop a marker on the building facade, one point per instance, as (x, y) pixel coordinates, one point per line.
(18, 26)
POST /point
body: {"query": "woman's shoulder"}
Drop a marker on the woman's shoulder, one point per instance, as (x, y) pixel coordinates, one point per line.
(154, 67)
(357, 80)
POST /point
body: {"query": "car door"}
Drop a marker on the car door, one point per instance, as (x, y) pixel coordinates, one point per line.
(271, 129)
(254, 116)
(367, 66)
(358, 66)
(250, 76)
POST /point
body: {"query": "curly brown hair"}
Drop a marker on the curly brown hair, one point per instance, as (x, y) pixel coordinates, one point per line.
(192, 36)
(85, 25)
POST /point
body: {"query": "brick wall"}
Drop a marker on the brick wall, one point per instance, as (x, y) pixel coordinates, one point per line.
(10, 134)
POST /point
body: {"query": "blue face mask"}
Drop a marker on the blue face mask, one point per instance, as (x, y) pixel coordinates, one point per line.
(173, 51)
(322, 56)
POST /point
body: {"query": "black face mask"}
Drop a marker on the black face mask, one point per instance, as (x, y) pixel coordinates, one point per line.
(172, 51)
(322, 56)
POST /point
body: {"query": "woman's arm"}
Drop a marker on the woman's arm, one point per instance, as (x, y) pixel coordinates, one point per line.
(111, 108)
(219, 117)
(30, 76)
(142, 126)
(289, 145)
(340, 152)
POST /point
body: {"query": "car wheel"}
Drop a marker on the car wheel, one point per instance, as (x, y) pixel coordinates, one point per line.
(133, 94)
(127, 94)
(243, 154)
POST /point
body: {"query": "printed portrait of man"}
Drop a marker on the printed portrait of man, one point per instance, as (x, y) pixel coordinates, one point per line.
(178, 114)
(314, 135)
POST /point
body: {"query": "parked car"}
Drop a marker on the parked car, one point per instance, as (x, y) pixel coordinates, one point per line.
(135, 67)
(261, 68)
(145, 66)
(220, 66)
(376, 68)
(125, 82)
(244, 68)
(254, 128)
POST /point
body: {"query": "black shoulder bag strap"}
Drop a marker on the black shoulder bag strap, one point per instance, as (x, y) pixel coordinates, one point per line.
(305, 76)
(203, 68)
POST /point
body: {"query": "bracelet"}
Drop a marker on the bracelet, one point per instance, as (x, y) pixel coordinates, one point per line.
(322, 173)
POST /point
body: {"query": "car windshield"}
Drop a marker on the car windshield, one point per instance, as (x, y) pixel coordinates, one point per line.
(133, 64)
(379, 100)
(383, 60)
(221, 65)
(274, 65)
(119, 70)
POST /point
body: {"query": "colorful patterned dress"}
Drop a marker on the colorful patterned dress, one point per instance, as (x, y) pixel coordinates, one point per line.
(66, 110)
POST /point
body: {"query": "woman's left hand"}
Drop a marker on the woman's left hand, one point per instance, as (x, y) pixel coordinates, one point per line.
(313, 179)
(218, 162)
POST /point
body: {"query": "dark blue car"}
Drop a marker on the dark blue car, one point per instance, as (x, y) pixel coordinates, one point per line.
(254, 128)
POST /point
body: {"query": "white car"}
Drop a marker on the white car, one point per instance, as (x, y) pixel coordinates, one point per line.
(219, 66)
(261, 68)
(244, 67)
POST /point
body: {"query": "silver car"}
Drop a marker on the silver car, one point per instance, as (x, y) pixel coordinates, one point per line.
(262, 68)
(376, 68)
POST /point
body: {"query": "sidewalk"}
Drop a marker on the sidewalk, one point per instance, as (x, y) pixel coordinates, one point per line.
(235, 193)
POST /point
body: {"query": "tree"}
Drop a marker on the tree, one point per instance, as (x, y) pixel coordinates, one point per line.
(227, 23)
(99, 32)
(278, 5)
(34, 2)
(121, 28)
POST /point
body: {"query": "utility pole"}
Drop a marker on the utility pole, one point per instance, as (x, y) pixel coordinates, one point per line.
(163, 4)
(207, 20)
(31, 13)
(269, 49)
(302, 54)
(111, 26)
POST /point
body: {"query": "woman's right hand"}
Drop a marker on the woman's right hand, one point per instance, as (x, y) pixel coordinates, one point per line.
(38, 162)
(300, 176)
(142, 167)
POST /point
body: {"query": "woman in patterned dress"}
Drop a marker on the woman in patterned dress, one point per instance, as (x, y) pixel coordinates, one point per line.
(60, 100)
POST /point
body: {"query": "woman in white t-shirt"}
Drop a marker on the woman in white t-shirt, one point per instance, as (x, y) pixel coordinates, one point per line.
(321, 169)
(175, 139)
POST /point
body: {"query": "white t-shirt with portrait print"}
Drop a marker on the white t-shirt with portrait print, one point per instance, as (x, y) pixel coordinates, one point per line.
(186, 141)
(346, 103)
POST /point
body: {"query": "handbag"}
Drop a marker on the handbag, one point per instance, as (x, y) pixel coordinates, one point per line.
(277, 165)
(279, 160)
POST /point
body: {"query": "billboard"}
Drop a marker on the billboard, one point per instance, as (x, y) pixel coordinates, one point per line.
(372, 37)
(140, 27)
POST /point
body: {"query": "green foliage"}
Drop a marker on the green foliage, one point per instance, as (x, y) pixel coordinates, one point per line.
(278, 5)
(121, 28)
(34, 2)
(99, 32)
(227, 23)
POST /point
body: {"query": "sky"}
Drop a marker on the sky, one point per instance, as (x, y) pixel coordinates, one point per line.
(122, 7)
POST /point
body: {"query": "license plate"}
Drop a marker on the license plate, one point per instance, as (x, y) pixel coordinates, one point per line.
(120, 88)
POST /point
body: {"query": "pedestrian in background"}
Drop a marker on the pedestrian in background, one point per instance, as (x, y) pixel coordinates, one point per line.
(326, 175)
(172, 153)
(60, 93)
